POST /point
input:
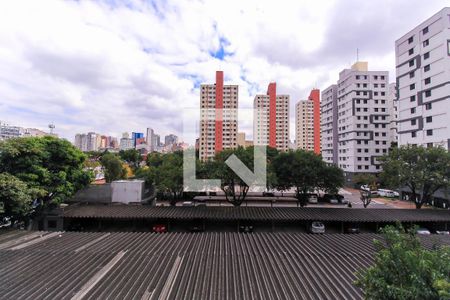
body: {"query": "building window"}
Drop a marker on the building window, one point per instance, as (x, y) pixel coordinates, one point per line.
(428, 106)
(411, 51)
(411, 62)
(412, 98)
(413, 110)
(429, 119)
(428, 93)
(413, 122)
(412, 86)
(413, 134)
(426, 55)
(425, 30)
(410, 40)
(428, 80)
(427, 68)
(429, 145)
(429, 132)
(411, 74)
(426, 43)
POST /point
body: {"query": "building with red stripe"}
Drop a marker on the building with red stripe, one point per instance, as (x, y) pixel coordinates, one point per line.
(307, 123)
(271, 119)
(218, 123)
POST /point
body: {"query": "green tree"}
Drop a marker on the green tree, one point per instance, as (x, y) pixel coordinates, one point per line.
(113, 167)
(331, 179)
(154, 159)
(422, 170)
(131, 156)
(404, 270)
(169, 176)
(232, 185)
(368, 179)
(15, 196)
(305, 171)
(50, 165)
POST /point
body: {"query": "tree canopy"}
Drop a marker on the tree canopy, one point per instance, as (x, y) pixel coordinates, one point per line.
(131, 156)
(403, 269)
(113, 167)
(422, 170)
(15, 196)
(306, 172)
(52, 167)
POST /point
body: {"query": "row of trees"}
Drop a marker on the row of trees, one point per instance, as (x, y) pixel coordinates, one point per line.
(302, 170)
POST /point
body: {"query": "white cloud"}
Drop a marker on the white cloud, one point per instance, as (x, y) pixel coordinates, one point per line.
(110, 68)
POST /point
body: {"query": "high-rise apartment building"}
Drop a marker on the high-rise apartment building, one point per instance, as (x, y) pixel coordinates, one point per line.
(328, 124)
(218, 117)
(356, 122)
(423, 82)
(271, 119)
(307, 123)
(393, 112)
(150, 140)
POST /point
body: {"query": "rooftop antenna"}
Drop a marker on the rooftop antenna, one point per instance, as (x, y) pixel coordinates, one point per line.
(51, 126)
(357, 54)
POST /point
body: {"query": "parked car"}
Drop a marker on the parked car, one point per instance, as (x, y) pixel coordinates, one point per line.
(159, 228)
(443, 232)
(246, 228)
(317, 227)
(352, 228)
(423, 231)
(187, 203)
(5, 222)
(387, 193)
(201, 204)
(312, 198)
(333, 200)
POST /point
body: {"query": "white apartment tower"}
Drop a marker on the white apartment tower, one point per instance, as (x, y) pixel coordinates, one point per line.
(218, 121)
(328, 124)
(423, 81)
(393, 112)
(357, 132)
(271, 119)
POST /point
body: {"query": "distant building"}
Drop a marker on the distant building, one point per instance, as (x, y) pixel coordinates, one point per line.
(150, 140)
(218, 120)
(135, 136)
(307, 123)
(271, 119)
(8, 131)
(170, 139)
(241, 139)
(423, 74)
(126, 142)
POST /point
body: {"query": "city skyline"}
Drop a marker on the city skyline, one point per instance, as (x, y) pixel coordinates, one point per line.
(95, 66)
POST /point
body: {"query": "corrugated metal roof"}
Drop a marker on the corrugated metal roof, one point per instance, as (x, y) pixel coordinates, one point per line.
(257, 213)
(187, 266)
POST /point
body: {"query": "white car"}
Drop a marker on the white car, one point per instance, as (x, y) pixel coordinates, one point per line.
(188, 203)
(312, 199)
(443, 232)
(423, 231)
(317, 227)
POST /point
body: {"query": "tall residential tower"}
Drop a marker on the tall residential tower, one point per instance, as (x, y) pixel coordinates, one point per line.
(423, 82)
(307, 123)
(271, 119)
(218, 122)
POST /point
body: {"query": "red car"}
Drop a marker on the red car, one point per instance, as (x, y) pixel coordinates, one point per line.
(159, 228)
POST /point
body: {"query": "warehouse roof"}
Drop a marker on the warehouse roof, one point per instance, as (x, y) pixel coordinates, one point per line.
(257, 213)
(183, 265)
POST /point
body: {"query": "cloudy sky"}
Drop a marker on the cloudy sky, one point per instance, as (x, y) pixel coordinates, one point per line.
(115, 66)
